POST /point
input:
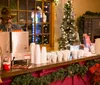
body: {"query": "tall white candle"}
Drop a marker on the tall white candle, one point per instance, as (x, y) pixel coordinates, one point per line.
(44, 55)
(32, 49)
(97, 46)
(66, 54)
(54, 57)
(74, 54)
(37, 54)
(59, 56)
(80, 53)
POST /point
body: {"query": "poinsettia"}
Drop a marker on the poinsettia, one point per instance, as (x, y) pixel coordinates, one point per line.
(95, 70)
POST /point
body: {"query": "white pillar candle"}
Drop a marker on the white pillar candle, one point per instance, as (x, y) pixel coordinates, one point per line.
(37, 54)
(32, 50)
(97, 46)
(66, 55)
(44, 55)
(92, 48)
(86, 49)
(59, 56)
(49, 58)
(74, 54)
(80, 54)
(54, 57)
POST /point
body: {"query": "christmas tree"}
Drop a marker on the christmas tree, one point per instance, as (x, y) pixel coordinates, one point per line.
(68, 27)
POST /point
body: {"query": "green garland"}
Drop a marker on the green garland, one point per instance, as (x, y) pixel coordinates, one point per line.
(92, 13)
(28, 79)
(68, 71)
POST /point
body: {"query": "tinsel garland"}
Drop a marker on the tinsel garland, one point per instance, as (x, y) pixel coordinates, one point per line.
(68, 71)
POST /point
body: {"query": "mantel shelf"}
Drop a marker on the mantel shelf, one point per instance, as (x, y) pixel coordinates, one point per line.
(15, 72)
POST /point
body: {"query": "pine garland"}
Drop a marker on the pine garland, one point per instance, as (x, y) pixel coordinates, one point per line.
(68, 71)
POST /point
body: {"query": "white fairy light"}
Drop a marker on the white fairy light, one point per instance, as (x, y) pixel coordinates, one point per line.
(56, 2)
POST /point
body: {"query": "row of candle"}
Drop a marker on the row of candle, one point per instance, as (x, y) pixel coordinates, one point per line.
(39, 56)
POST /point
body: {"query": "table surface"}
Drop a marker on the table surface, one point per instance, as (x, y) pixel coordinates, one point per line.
(34, 68)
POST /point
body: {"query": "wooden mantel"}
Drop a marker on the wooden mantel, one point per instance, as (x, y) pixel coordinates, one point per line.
(15, 72)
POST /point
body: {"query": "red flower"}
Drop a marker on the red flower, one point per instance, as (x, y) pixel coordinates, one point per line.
(92, 69)
(97, 65)
(96, 78)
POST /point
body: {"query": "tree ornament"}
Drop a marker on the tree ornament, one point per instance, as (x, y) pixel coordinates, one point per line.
(63, 16)
(56, 2)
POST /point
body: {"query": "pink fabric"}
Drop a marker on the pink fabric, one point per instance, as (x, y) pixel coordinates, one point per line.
(82, 63)
(66, 81)
(86, 80)
(6, 81)
(79, 81)
(35, 74)
(48, 71)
